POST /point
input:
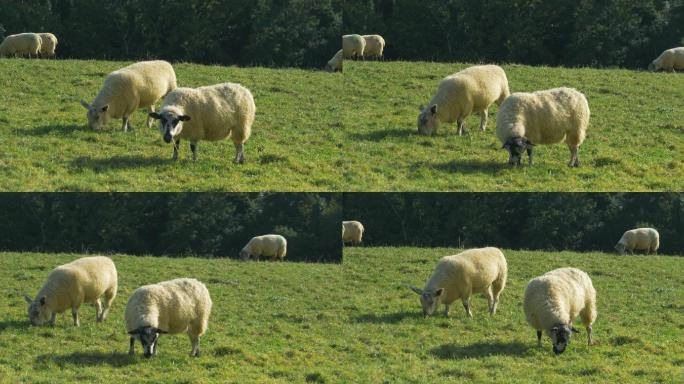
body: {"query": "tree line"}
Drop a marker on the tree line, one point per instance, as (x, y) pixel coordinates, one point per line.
(306, 33)
(171, 224)
(544, 221)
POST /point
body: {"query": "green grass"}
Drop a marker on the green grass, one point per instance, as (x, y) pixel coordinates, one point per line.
(294, 146)
(355, 322)
(635, 140)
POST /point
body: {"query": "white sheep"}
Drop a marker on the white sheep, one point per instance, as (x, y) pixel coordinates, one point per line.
(274, 246)
(83, 280)
(646, 239)
(553, 300)
(375, 45)
(48, 44)
(669, 60)
(207, 113)
(352, 232)
(335, 64)
(543, 117)
(353, 46)
(174, 306)
(480, 270)
(472, 90)
(139, 85)
(21, 44)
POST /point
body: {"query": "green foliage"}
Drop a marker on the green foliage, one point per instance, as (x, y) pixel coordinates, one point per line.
(207, 224)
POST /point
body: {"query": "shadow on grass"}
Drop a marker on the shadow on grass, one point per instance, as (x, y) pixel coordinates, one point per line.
(118, 162)
(465, 166)
(388, 318)
(14, 324)
(383, 134)
(452, 351)
(55, 129)
(90, 359)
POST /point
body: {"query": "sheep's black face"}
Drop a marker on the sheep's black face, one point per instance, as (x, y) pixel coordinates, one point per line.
(428, 121)
(516, 147)
(170, 124)
(148, 338)
(560, 337)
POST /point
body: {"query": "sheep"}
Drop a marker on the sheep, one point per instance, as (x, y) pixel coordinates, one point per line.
(48, 44)
(543, 117)
(480, 270)
(274, 246)
(335, 64)
(21, 44)
(646, 239)
(352, 232)
(375, 45)
(83, 280)
(472, 90)
(168, 307)
(353, 46)
(139, 85)
(207, 113)
(552, 301)
(669, 60)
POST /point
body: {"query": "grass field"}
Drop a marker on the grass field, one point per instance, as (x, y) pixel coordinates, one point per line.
(294, 146)
(355, 322)
(635, 139)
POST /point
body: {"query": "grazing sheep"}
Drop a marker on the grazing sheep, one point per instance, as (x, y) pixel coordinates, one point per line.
(68, 286)
(471, 90)
(274, 246)
(646, 239)
(669, 60)
(22, 44)
(174, 306)
(375, 45)
(207, 113)
(48, 44)
(352, 232)
(555, 299)
(353, 46)
(335, 64)
(480, 270)
(543, 117)
(139, 85)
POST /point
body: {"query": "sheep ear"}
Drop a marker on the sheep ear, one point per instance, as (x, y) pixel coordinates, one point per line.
(84, 104)
(134, 332)
(105, 108)
(439, 292)
(28, 299)
(416, 289)
(433, 109)
(184, 118)
(574, 330)
(154, 115)
(528, 143)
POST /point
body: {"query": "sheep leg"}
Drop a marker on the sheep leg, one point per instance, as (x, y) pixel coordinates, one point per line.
(539, 336)
(131, 346)
(125, 125)
(590, 341)
(466, 306)
(176, 145)
(195, 345)
(239, 154)
(52, 319)
(150, 120)
(490, 300)
(109, 298)
(74, 315)
(98, 310)
(529, 155)
(193, 149)
(460, 123)
(446, 310)
(574, 157)
(483, 120)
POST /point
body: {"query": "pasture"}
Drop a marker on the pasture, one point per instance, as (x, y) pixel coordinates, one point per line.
(295, 142)
(635, 139)
(355, 322)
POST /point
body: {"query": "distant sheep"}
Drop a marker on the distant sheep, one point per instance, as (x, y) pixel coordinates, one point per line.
(273, 246)
(553, 300)
(482, 270)
(352, 232)
(646, 239)
(669, 60)
(209, 113)
(48, 44)
(68, 286)
(335, 64)
(22, 44)
(472, 90)
(543, 117)
(375, 46)
(139, 85)
(175, 306)
(353, 46)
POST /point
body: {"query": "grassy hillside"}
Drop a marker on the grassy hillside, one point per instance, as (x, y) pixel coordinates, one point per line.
(295, 322)
(635, 139)
(46, 145)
